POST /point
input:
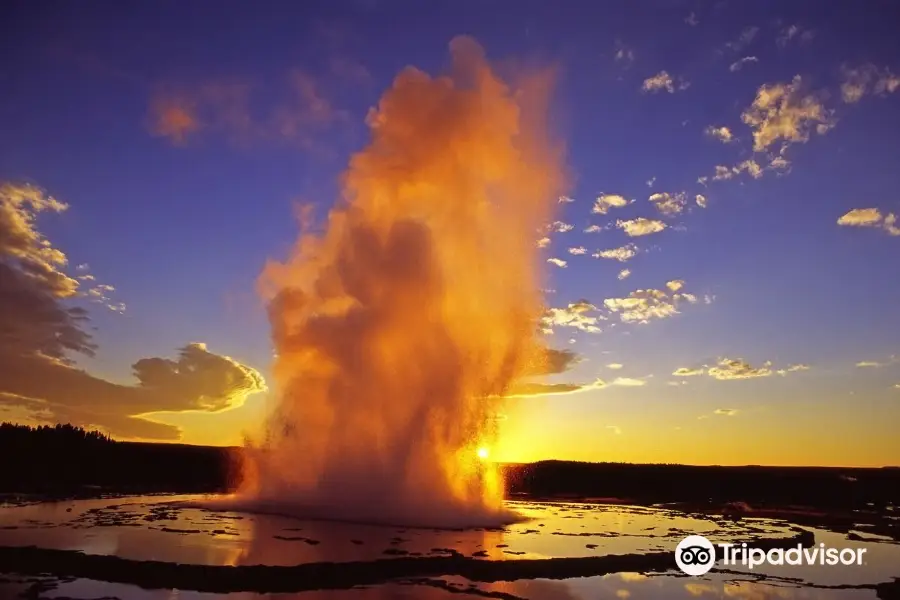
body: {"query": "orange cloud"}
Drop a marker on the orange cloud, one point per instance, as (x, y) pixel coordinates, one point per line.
(173, 119)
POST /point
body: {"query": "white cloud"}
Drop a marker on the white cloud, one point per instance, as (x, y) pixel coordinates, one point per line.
(651, 181)
(565, 200)
(614, 366)
(577, 251)
(692, 20)
(669, 204)
(606, 201)
(663, 81)
(593, 229)
(701, 201)
(640, 226)
(794, 32)
(560, 227)
(558, 262)
(543, 242)
(783, 111)
(723, 134)
(738, 65)
(725, 412)
(744, 39)
(624, 273)
(623, 55)
(641, 306)
(621, 254)
(575, 315)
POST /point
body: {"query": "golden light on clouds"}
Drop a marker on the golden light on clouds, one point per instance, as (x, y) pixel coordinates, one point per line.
(669, 204)
(41, 326)
(870, 217)
(786, 112)
(621, 254)
(642, 306)
(662, 81)
(640, 226)
(606, 201)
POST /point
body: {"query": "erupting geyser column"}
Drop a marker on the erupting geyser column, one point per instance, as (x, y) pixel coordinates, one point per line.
(398, 327)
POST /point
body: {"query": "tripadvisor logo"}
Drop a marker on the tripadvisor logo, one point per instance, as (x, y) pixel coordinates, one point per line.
(696, 555)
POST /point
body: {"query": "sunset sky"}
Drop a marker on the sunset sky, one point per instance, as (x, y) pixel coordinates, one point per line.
(724, 266)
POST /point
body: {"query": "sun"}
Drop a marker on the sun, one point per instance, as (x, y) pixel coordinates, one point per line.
(483, 453)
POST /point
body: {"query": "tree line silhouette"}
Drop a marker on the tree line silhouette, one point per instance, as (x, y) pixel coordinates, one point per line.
(68, 460)
(66, 435)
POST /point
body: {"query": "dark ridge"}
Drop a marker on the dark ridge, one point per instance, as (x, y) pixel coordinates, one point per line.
(328, 575)
(67, 461)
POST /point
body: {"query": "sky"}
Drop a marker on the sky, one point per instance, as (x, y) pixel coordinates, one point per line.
(719, 273)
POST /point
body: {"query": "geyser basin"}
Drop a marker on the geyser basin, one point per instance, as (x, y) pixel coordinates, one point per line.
(593, 549)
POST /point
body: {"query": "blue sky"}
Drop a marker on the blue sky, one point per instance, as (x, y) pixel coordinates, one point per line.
(181, 221)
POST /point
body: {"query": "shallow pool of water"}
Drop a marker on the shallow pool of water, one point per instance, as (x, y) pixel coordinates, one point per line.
(171, 530)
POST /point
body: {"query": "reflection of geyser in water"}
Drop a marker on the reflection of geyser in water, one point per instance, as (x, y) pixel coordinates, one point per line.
(417, 303)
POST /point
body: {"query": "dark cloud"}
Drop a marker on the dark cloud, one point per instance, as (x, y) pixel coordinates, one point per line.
(196, 380)
(40, 330)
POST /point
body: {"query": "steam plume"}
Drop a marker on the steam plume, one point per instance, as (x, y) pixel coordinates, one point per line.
(417, 304)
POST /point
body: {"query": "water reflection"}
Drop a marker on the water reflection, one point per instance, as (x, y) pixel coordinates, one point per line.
(170, 530)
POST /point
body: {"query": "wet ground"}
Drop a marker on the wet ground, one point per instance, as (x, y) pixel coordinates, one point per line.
(157, 548)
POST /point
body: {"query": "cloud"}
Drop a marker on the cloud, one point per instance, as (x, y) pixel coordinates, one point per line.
(593, 229)
(624, 273)
(556, 362)
(621, 254)
(688, 372)
(723, 134)
(565, 200)
(532, 390)
(783, 111)
(640, 226)
(623, 55)
(692, 20)
(867, 79)
(794, 32)
(870, 217)
(628, 382)
(577, 251)
(560, 227)
(669, 204)
(651, 181)
(297, 110)
(723, 173)
(543, 242)
(558, 262)
(197, 380)
(663, 81)
(574, 315)
(792, 369)
(701, 200)
(874, 363)
(35, 317)
(641, 306)
(739, 64)
(606, 201)
(40, 329)
(174, 118)
(725, 412)
(728, 368)
(744, 39)
(614, 366)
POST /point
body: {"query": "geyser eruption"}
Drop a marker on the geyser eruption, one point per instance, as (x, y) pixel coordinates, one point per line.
(398, 328)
